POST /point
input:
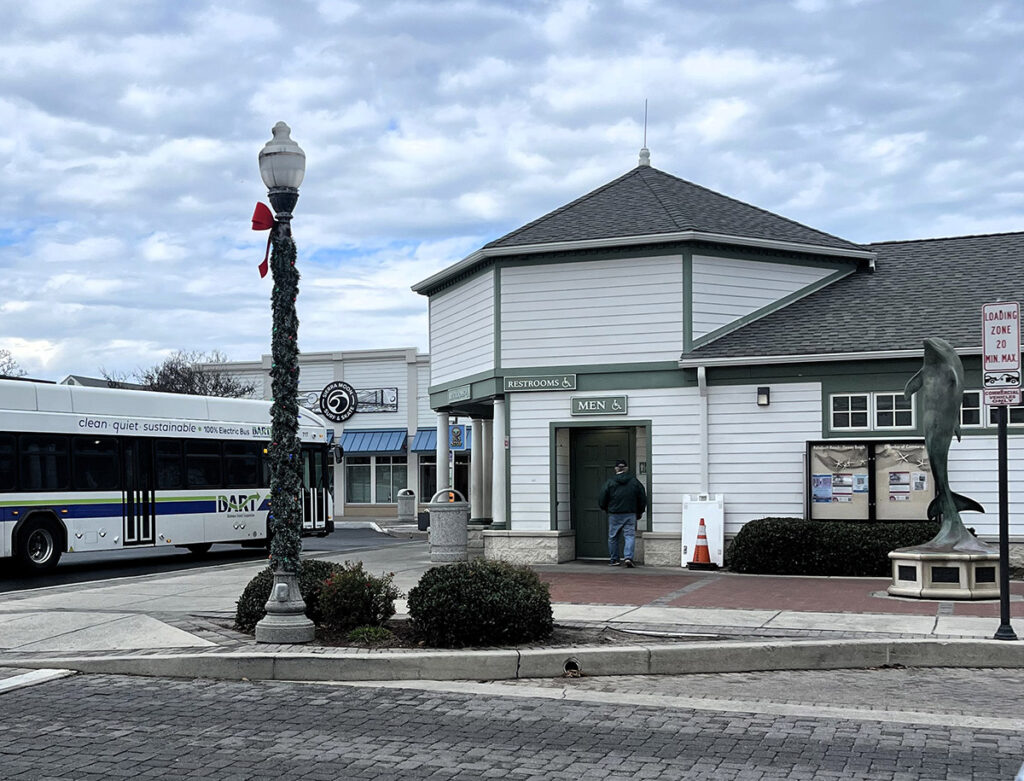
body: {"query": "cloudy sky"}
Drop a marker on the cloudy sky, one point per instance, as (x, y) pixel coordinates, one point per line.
(131, 130)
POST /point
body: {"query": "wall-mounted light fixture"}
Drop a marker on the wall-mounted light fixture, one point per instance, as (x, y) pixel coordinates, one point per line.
(764, 396)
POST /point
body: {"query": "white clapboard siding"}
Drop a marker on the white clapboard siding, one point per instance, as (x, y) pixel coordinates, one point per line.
(462, 330)
(756, 454)
(674, 443)
(314, 376)
(973, 472)
(724, 289)
(606, 311)
(425, 416)
(380, 373)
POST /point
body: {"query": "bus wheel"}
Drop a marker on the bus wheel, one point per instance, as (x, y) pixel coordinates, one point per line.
(38, 548)
(199, 548)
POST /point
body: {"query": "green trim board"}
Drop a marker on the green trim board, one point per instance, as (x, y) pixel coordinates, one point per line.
(631, 425)
(647, 246)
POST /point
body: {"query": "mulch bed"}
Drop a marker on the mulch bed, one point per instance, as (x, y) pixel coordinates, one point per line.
(563, 636)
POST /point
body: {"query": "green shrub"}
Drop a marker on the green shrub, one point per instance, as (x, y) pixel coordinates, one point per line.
(482, 602)
(252, 604)
(352, 597)
(371, 635)
(793, 546)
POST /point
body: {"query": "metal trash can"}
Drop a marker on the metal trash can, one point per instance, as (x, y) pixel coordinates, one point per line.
(449, 521)
(406, 505)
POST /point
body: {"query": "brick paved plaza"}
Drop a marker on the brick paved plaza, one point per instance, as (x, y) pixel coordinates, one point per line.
(89, 728)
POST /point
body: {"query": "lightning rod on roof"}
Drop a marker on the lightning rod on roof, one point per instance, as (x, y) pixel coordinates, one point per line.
(645, 153)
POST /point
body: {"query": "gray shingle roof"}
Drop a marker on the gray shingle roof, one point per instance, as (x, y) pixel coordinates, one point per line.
(930, 287)
(646, 201)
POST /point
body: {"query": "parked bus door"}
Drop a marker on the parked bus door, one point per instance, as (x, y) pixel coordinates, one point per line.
(314, 490)
(137, 494)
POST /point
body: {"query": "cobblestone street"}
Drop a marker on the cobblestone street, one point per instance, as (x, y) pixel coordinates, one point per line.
(88, 728)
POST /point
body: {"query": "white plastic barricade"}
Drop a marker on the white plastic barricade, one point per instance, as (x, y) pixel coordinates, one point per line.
(703, 531)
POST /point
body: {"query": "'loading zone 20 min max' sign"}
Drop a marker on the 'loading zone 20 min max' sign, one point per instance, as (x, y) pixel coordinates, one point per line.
(1001, 353)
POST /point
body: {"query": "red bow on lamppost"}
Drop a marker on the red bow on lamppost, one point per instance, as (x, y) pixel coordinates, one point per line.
(263, 220)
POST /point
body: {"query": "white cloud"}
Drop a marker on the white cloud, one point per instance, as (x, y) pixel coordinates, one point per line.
(130, 159)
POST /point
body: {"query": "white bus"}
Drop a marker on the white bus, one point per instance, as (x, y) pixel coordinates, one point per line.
(100, 469)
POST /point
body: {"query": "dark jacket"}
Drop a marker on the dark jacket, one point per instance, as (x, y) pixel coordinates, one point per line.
(623, 494)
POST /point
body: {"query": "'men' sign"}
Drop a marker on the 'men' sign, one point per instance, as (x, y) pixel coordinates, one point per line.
(600, 405)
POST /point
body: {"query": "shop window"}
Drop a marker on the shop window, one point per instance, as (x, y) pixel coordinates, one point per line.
(970, 409)
(391, 477)
(357, 479)
(850, 411)
(893, 410)
(428, 477)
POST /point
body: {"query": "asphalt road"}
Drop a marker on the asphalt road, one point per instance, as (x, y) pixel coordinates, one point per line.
(85, 567)
(88, 728)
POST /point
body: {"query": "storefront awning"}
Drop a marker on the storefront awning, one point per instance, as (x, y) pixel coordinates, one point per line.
(377, 442)
(459, 438)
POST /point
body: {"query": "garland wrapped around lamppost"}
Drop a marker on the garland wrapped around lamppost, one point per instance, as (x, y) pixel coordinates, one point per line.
(282, 166)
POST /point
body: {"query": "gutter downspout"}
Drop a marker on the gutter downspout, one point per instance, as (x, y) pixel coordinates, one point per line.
(702, 385)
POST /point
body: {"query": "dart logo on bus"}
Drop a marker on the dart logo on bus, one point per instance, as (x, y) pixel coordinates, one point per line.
(241, 503)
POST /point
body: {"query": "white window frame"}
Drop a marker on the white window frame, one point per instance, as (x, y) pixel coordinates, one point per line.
(895, 395)
(832, 412)
(1010, 422)
(982, 414)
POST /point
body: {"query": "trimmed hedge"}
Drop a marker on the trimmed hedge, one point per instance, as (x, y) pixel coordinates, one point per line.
(483, 602)
(794, 546)
(352, 597)
(252, 604)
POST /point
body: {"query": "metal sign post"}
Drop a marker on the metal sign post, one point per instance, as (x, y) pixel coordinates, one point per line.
(1001, 380)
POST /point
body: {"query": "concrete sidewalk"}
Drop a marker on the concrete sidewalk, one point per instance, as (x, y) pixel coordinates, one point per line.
(178, 624)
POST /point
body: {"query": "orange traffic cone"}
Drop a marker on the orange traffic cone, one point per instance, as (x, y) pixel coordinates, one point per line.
(701, 554)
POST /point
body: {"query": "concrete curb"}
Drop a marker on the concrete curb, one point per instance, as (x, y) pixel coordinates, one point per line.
(507, 664)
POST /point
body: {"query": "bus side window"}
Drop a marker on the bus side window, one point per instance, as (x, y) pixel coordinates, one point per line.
(202, 463)
(169, 471)
(44, 462)
(95, 463)
(8, 472)
(241, 464)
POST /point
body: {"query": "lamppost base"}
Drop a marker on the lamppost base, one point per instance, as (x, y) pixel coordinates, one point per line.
(1005, 632)
(286, 621)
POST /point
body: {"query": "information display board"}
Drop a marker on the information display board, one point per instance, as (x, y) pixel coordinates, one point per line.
(868, 480)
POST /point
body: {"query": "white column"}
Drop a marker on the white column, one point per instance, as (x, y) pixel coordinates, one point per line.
(476, 473)
(486, 454)
(498, 482)
(443, 480)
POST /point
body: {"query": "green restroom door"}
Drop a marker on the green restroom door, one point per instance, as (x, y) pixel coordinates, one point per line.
(593, 455)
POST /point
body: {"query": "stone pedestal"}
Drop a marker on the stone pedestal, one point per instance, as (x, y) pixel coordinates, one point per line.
(932, 574)
(286, 620)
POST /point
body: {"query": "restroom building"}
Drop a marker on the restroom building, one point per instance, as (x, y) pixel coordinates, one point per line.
(719, 348)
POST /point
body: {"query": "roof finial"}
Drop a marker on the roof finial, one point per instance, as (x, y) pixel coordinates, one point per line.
(645, 153)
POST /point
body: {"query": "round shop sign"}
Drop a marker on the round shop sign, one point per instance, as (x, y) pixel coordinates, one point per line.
(338, 401)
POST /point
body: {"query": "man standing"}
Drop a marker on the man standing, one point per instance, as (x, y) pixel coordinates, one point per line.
(624, 499)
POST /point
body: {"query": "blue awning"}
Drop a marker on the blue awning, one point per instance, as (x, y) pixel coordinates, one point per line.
(460, 437)
(378, 442)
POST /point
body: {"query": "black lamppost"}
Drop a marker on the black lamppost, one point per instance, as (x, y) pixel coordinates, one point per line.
(282, 166)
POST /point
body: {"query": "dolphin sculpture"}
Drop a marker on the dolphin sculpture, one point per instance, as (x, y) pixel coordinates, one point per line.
(940, 385)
